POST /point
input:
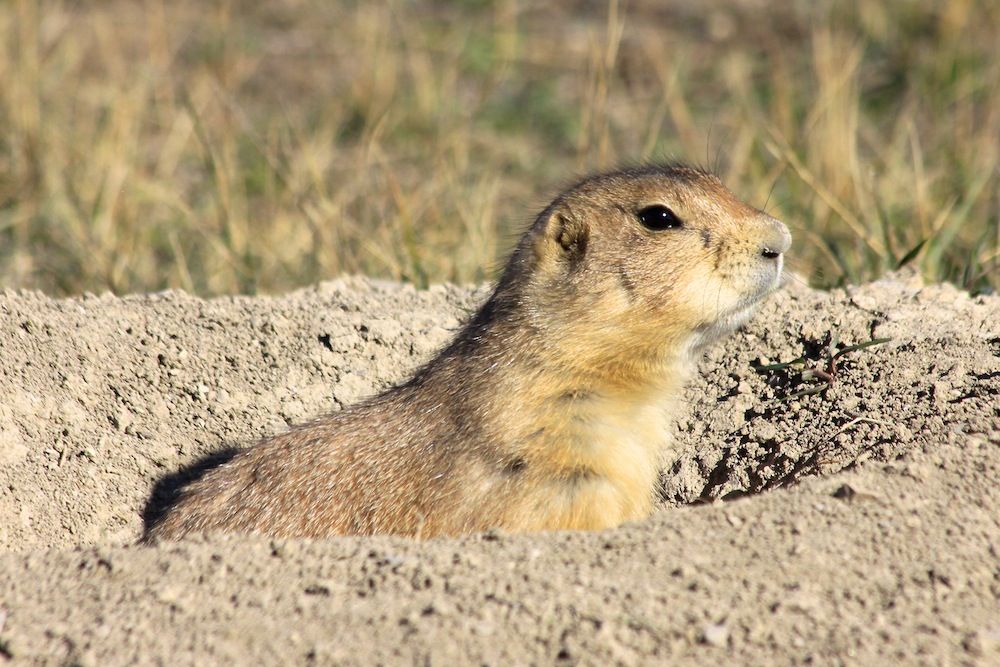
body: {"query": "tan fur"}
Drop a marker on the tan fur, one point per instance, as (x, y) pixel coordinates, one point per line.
(550, 409)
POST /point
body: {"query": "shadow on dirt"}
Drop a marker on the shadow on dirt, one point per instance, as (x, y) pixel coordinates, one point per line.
(167, 490)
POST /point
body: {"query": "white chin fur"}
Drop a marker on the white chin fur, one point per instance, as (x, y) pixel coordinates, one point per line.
(743, 307)
(723, 326)
(728, 322)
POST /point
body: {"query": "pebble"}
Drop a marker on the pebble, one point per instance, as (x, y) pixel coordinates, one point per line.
(716, 634)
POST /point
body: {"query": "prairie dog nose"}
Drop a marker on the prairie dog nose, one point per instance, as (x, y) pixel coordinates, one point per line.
(777, 239)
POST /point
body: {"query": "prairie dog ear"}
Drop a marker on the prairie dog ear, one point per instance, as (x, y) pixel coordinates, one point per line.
(566, 236)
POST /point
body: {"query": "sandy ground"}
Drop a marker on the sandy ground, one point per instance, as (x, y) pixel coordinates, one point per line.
(856, 526)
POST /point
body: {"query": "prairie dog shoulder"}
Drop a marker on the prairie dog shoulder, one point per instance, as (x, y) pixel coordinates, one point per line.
(549, 409)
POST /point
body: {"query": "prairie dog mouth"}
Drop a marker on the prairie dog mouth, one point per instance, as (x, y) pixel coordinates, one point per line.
(727, 321)
(767, 281)
(741, 311)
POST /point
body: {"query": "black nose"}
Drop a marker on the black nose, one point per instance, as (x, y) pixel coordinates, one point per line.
(770, 254)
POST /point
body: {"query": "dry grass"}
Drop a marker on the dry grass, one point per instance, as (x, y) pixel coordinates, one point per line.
(244, 147)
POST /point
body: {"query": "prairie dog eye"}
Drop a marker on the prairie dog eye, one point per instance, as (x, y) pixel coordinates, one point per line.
(659, 217)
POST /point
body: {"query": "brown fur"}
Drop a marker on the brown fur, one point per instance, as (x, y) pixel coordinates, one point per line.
(549, 410)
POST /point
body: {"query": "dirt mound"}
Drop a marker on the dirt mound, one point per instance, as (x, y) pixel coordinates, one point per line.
(865, 528)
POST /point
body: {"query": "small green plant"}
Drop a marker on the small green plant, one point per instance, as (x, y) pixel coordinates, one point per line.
(825, 374)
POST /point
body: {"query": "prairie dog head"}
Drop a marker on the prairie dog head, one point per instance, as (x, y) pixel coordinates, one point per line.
(656, 257)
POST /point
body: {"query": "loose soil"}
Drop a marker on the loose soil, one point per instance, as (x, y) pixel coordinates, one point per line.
(855, 525)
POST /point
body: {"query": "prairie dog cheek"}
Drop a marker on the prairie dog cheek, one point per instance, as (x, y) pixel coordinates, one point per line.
(707, 297)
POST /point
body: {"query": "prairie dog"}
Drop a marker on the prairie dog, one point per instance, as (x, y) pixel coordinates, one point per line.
(549, 410)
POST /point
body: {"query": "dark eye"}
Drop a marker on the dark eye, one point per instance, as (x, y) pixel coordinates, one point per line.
(658, 218)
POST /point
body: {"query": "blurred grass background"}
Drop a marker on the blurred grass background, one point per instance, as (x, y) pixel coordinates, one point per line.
(254, 147)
